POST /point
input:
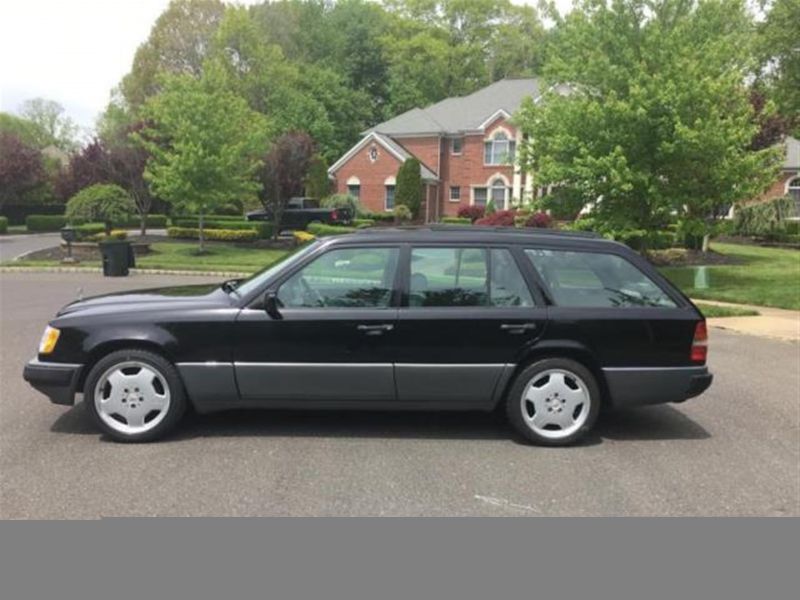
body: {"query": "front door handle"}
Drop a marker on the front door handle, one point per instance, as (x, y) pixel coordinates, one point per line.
(518, 327)
(375, 329)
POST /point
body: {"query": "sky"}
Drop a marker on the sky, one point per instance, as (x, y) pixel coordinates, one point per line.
(76, 51)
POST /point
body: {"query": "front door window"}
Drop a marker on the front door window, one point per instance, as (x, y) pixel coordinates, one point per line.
(343, 278)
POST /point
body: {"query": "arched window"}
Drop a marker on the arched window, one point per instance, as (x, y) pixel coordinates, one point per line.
(389, 184)
(793, 191)
(499, 149)
(354, 187)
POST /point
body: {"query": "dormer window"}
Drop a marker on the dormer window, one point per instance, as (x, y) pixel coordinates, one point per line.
(499, 149)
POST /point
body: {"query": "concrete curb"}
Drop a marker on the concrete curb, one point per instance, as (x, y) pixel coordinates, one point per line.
(8, 269)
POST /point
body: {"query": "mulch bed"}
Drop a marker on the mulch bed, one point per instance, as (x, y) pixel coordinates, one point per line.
(681, 257)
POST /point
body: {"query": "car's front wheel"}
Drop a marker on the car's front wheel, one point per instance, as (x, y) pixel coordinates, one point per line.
(553, 402)
(134, 395)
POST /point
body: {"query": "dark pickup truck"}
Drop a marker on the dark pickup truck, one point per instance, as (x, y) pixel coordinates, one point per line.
(299, 212)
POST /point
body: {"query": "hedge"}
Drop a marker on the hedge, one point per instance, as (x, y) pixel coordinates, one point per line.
(362, 223)
(153, 221)
(457, 220)
(17, 213)
(209, 217)
(222, 235)
(262, 228)
(3, 224)
(322, 230)
(378, 216)
(45, 222)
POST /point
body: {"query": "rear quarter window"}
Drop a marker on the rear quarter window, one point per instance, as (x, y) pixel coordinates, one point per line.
(590, 279)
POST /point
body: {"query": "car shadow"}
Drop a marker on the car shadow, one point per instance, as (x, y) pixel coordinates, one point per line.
(644, 424)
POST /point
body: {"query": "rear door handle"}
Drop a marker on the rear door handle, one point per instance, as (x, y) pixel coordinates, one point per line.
(375, 329)
(518, 327)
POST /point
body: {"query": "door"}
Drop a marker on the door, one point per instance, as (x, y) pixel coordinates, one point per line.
(331, 340)
(467, 315)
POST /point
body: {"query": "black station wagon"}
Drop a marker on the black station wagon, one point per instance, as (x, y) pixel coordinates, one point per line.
(550, 326)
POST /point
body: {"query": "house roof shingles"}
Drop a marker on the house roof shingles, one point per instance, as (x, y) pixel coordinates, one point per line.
(463, 113)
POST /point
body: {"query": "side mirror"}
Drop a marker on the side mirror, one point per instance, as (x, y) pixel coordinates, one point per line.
(271, 305)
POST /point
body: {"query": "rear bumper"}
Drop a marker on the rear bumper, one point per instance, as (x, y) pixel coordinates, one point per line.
(57, 381)
(652, 385)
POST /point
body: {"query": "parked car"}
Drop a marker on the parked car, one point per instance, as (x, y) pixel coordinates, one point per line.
(299, 212)
(552, 326)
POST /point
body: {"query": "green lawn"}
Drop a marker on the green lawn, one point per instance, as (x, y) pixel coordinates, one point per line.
(179, 256)
(711, 311)
(765, 277)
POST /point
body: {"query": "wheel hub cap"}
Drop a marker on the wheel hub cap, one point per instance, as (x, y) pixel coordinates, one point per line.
(555, 403)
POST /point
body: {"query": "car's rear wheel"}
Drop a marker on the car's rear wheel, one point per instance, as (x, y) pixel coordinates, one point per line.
(134, 395)
(553, 402)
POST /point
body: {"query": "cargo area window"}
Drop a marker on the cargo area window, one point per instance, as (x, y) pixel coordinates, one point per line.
(588, 279)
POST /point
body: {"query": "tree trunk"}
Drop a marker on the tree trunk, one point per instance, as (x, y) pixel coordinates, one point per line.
(202, 234)
(706, 240)
(143, 225)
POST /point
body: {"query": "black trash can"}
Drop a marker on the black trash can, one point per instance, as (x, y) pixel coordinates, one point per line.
(118, 257)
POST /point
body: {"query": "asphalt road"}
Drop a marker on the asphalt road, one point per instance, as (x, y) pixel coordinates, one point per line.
(733, 451)
(14, 245)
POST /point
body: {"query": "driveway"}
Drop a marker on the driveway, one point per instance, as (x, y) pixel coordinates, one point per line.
(733, 451)
(12, 246)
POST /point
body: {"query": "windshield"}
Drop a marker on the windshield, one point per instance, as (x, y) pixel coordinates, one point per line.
(256, 280)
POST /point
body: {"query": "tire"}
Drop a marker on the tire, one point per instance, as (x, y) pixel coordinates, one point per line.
(553, 402)
(134, 395)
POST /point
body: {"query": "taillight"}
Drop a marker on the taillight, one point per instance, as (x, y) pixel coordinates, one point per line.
(700, 343)
(335, 215)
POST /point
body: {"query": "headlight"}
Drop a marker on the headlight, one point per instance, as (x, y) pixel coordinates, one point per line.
(49, 339)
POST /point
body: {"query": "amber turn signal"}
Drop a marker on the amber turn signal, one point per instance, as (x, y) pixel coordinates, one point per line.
(49, 339)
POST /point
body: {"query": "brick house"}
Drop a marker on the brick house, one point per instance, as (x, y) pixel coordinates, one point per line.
(466, 147)
(786, 184)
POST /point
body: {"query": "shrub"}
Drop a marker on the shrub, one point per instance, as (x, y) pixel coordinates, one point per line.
(3, 224)
(83, 233)
(764, 218)
(116, 234)
(500, 218)
(229, 209)
(225, 218)
(539, 220)
(402, 214)
(473, 213)
(363, 223)
(490, 208)
(456, 220)
(303, 237)
(101, 202)
(341, 201)
(322, 229)
(223, 235)
(409, 186)
(45, 222)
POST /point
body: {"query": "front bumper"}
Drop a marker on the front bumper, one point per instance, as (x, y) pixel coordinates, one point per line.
(640, 386)
(57, 381)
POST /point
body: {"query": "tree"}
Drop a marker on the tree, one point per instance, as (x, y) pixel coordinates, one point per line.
(409, 186)
(21, 169)
(53, 125)
(284, 172)
(317, 183)
(204, 144)
(127, 161)
(27, 131)
(106, 203)
(178, 44)
(88, 166)
(779, 51)
(649, 129)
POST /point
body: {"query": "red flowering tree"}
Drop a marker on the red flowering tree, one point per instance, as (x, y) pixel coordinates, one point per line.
(21, 168)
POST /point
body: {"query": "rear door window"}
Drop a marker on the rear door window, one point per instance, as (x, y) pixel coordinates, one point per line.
(458, 277)
(589, 279)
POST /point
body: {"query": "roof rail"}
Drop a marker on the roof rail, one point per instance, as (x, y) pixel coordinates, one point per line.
(484, 228)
